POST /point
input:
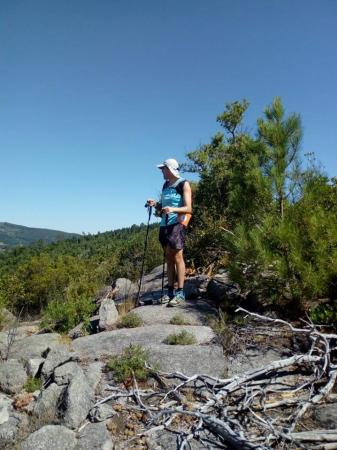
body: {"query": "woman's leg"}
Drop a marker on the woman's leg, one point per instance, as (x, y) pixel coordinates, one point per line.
(170, 260)
(180, 268)
(175, 266)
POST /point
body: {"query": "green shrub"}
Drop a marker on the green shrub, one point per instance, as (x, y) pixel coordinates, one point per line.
(324, 315)
(131, 320)
(32, 384)
(131, 361)
(182, 338)
(63, 315)
(178, 319)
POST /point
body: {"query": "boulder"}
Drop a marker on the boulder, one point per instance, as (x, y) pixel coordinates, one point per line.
(33, 366)
(5, 407)
(108, 314)
(189, 359)
(46, 405)
(164, 440)
(101, 413)
(221, 289)
(95, 436)
(56, 357)
(152, 285)
(93, 373)
(77, 401)
(251, 359)
(77, 331)
(9, 430)
(123, 289)
(34, 346)
(195, 287)
(51, 437)
(66, 372)
(12, 376)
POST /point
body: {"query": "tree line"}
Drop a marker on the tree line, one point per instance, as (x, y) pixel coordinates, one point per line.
(59, 280)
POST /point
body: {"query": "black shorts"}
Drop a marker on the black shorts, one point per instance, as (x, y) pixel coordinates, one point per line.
(172, 235)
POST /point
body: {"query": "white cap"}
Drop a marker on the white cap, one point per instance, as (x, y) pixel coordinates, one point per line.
(172, 166)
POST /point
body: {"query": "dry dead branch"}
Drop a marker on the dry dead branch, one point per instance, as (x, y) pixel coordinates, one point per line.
(261, 409)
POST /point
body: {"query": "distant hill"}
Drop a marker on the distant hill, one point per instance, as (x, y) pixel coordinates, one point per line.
(12, 235)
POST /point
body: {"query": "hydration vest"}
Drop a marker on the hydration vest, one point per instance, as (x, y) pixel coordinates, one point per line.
(178, 186)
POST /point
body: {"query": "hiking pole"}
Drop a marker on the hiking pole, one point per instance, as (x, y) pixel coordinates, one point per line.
(163, 274)
(162, 279)
(149, 209)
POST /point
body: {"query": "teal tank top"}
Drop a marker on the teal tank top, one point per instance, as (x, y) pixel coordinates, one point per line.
(170, 197)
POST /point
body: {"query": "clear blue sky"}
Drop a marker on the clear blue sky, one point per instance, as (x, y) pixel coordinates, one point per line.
(94, 94)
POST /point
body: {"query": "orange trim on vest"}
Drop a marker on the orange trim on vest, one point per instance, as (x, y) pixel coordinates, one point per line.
(184, 218)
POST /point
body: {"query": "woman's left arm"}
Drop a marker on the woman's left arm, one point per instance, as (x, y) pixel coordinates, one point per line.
(187, 197)
(187, 194)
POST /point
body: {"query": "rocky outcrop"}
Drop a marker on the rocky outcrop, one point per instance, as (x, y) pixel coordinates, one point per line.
(62, 414)
(113, 342)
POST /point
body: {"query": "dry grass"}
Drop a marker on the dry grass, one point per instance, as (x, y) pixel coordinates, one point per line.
(126, 306)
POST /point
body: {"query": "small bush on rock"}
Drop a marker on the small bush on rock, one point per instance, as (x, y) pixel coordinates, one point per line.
(182, 338)
(178, 319)
(131, 361)
(32, 384)
(131, 320)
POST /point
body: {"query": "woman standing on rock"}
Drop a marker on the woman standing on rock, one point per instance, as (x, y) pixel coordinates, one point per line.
(175, 209)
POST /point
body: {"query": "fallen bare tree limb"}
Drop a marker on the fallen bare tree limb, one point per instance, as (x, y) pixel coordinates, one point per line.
(316, 436)
(260, 409)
